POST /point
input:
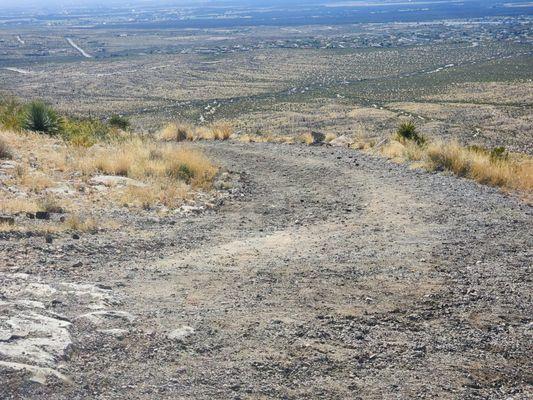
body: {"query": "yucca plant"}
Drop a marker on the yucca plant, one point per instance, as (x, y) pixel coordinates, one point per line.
(42, 118)
(407, 131)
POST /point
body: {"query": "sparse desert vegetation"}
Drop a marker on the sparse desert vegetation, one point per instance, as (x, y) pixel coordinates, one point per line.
(496, 167)
(56, 175)
(490, 166)
(38, 116)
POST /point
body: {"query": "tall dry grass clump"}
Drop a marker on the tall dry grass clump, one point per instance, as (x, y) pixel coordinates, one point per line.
(179, 132)
(222, 130)
(508, 171)
(149, 161)
(79, 224)
(490, 167)
(305, 138)
(176, 132)
(17, 205)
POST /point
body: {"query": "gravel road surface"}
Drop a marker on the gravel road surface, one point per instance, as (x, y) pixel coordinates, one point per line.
(330, 274)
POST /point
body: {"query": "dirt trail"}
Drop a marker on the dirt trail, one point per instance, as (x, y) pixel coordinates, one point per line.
(78, 48)
(337, 275)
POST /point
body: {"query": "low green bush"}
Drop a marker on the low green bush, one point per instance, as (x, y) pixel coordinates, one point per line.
(85, 132)
(119, 121)
(11, 115)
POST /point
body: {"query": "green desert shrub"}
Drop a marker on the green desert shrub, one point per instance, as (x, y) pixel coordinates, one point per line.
(40, 117)
(11, 115)
(85, 132)
(118, 121)
(499, 153)
(408, 131)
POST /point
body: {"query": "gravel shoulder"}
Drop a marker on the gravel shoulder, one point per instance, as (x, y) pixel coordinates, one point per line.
(329, 274)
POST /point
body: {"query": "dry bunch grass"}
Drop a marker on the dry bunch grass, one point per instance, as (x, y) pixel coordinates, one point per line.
(176, 133)
(18, 205)
(514, 172)
(79, 224)
(146, 160)
(305, 138)
(222, 130)
(329, 137)
(166, 193)
(179, 132)
(169, 172)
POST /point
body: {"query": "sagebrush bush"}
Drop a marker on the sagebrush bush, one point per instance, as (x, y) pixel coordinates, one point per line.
(42, 118)
(408, 131)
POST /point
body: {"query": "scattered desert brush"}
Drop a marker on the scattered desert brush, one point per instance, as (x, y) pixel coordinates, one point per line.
(305, 138)
(16, 205)
(119, 121)
(176, 133)
(49, 174)
(512, 171)
(495, 167)
(11, 114)
(51, 204)
(222, 130)
(146, 160)
(38, 116)
(329, 137)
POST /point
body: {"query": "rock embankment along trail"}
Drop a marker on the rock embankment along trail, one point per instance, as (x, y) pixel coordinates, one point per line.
(335, 275)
